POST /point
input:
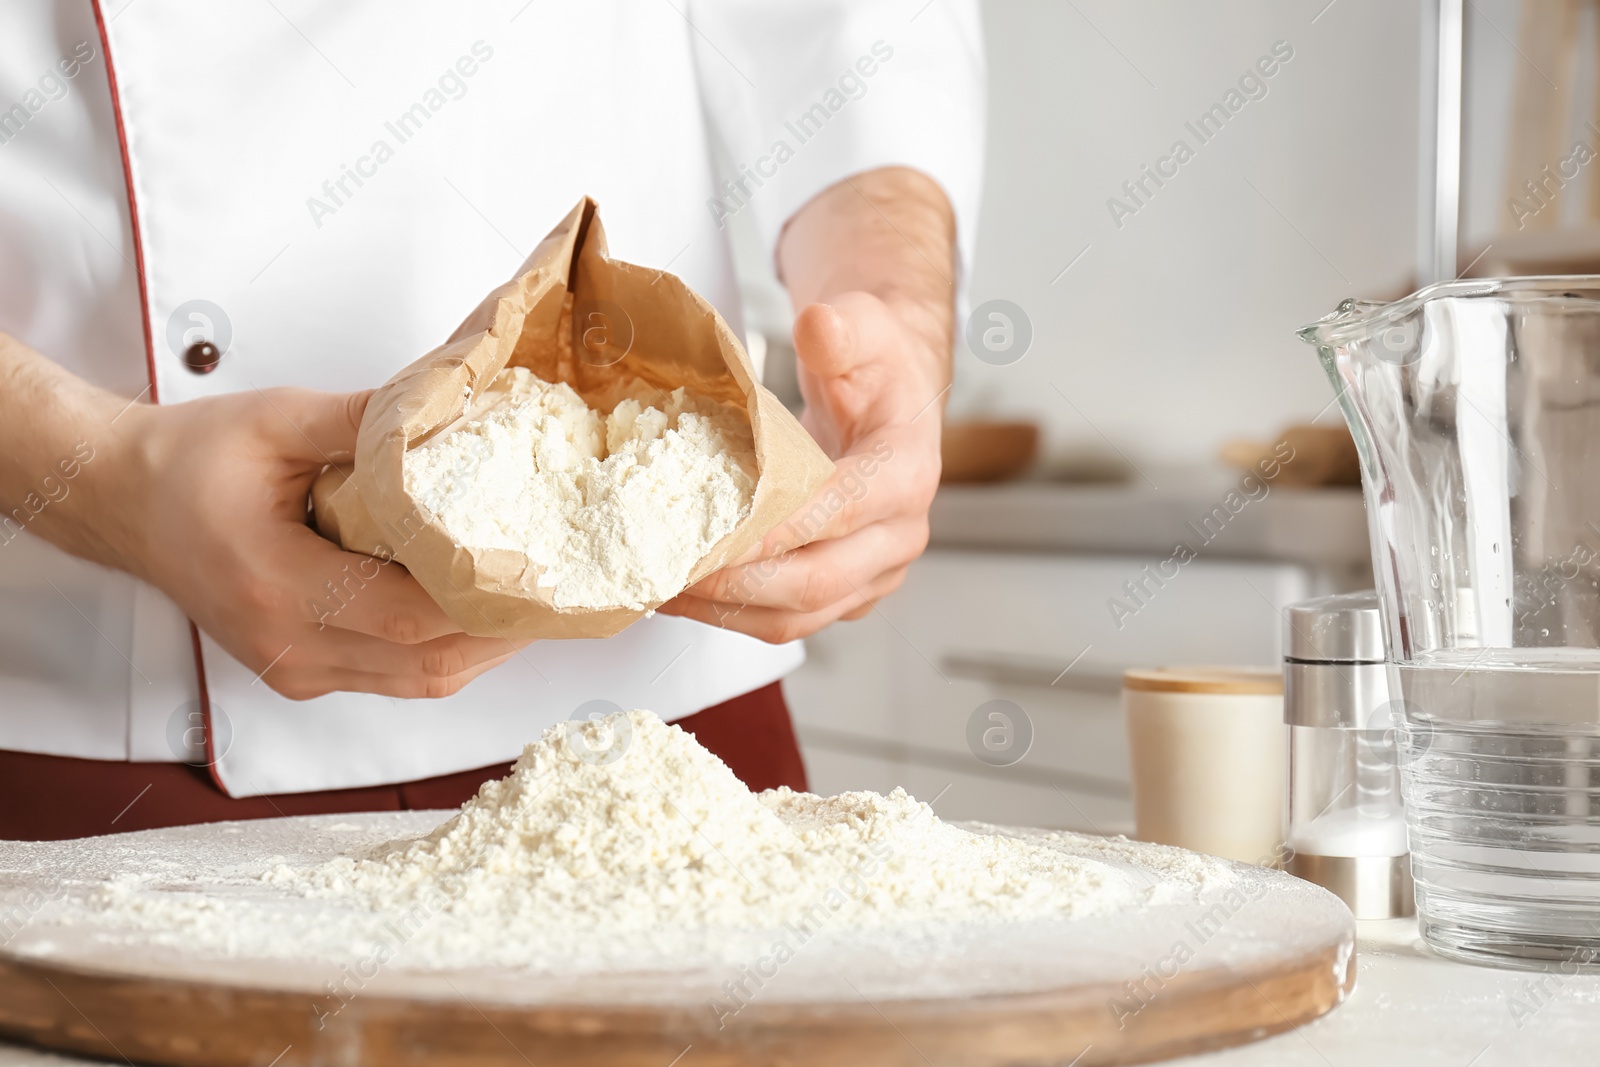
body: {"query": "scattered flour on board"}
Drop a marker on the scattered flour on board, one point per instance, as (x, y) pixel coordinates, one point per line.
(624, 843)
(616, 507)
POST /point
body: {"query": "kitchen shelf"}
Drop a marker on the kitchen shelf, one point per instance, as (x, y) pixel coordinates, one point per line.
(1323, 528)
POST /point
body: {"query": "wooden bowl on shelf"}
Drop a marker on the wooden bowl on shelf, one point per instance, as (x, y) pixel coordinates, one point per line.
(1305, 455)
(984, 451)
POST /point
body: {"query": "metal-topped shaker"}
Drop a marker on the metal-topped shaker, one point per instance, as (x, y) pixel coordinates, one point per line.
(1346, 820)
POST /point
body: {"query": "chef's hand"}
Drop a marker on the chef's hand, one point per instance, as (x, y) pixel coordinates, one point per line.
(214, 514)
(207, 501)
(869, 266)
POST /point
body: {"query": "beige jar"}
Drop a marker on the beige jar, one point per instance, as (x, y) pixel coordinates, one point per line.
(1208, 752)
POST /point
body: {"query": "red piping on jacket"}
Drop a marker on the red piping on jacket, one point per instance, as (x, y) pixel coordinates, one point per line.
(149, 346)
(133, 212)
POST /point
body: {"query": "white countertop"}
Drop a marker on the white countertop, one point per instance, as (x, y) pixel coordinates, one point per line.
(1409, 1009)
(1412, 1008)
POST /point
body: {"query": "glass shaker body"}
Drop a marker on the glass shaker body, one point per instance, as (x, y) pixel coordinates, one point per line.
(1345, 819)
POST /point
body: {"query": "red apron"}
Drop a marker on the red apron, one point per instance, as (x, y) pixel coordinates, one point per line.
(50, 798)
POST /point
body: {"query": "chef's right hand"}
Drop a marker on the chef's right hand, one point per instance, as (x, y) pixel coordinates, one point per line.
(215, 493)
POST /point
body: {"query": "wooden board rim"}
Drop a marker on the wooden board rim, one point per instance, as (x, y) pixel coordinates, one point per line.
(186, 1023)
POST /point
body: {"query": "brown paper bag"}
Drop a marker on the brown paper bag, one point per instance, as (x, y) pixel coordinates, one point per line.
(571, 315)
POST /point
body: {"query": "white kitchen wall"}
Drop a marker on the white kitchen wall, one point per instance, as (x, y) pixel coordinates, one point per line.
(1174, 331)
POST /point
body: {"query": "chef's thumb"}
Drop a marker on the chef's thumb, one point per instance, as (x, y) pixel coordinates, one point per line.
(824, 342)
(320, 426)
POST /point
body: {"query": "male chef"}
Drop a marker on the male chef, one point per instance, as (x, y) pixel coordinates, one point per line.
(221, 224)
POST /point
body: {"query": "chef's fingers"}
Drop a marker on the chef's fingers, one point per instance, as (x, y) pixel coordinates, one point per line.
(313, 427)
(857, 614)
(442, 657)
(776, 625)
(317, 682)
(885, 480)
(821, 573)
(364, 594)
(841, 505)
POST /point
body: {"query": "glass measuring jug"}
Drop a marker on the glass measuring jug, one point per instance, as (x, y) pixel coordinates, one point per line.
(1475, 407)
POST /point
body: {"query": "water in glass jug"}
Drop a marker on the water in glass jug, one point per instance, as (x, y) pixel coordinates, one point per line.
(1475, 406)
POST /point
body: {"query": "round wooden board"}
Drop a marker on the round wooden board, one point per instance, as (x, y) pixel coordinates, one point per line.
(1264, 954)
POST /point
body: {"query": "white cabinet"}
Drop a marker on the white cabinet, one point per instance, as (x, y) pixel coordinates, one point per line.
(887, 701)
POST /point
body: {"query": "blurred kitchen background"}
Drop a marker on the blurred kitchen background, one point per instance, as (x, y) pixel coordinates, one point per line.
(1164, 364)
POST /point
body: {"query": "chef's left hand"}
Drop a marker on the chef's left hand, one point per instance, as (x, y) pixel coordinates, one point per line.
(871, 409)
(869, 264)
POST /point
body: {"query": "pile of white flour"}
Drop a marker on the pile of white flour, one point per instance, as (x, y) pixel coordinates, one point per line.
(624, 844)
(666, 837)
(616, 508)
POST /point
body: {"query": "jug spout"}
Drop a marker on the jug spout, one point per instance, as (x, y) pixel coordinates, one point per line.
(1475, 408)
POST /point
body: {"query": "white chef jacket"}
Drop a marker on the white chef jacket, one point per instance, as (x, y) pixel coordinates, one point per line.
(323, 190)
